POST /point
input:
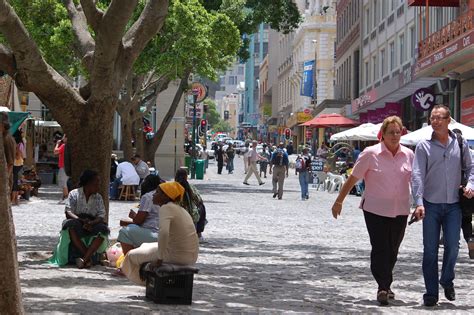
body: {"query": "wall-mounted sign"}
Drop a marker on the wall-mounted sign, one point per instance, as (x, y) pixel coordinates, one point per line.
(423, 99)
(199, 90)
(307, 86)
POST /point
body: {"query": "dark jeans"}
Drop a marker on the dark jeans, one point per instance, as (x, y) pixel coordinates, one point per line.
(386, 235)
(220, 165)
(437, 216)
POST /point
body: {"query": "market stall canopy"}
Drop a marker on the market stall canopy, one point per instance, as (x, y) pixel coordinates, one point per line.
(330, 120)
(4, 109)
(16, 119)
(364, 132)
(47, 123)
(425, 133)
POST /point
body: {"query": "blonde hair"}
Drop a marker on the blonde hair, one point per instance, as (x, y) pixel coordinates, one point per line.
(390, 120)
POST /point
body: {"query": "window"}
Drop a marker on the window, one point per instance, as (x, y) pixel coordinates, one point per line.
(367, 74)
(384, 9)
(402, 48)
(240, 70)
(412, 41)
(367, 21)
(392, 55)
(393, 5)
(376, 13)
(382, 62)
(375, 74)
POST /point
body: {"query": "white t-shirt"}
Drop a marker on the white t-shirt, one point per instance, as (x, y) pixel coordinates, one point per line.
(126, 171)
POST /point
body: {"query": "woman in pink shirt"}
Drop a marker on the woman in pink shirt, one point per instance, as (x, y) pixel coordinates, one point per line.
(386, 170)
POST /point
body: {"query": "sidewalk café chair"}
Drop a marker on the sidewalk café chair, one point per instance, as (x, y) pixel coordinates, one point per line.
(335, 182)
(127, 192)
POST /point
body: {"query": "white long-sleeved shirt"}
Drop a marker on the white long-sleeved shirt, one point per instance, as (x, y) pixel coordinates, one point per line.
(126, 171)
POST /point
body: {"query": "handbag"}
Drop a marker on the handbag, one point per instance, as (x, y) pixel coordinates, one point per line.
(465, 203)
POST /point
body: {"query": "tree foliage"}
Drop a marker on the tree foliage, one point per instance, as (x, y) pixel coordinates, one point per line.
(222, 126)
(212, 115)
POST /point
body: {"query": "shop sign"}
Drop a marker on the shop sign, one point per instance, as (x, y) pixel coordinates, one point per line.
(199, 90)
(364, 100)
(317, 165)
(307, 111)
(423, 99)
(467, 112)
(363, 118)
(442, 54)
(303, 117)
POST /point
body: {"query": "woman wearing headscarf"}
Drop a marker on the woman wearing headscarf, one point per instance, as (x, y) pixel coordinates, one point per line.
(177, 240)
(142, 227)
(386, 168)
(85, 226)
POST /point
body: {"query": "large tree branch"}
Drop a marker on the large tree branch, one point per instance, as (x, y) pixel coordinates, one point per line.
(93, 14)
(7, 60)
(105, 80)
(32, 73)
(149, 23)
(84, 43)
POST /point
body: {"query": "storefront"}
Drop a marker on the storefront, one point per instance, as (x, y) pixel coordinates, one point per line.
(299, 134)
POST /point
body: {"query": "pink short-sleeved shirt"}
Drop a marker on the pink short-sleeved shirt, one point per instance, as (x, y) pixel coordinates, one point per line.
(387, 180)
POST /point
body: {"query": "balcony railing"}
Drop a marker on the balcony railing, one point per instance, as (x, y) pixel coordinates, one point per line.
(459, 27)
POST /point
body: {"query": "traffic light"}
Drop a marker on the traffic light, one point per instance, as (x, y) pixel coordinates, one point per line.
(204, 125)
(287, 133)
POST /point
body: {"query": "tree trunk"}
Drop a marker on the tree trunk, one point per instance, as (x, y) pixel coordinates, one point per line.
(91, 145)
(10, 293)
(140, 140)
(126, 128)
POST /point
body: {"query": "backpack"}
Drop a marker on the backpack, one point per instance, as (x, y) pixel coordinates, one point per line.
(299, 164)
(278, 158)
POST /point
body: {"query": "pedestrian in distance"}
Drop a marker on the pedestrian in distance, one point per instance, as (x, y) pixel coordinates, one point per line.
(253, 156)
(279, 167)
(246, 156)
(62, 177)
(9, 146)
(264, 163)
(436, 179)
(386, 169)
(230, 154)
(219, 154)
(303, 170)
(466, 222)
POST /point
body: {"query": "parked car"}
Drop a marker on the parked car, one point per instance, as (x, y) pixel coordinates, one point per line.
(239, 145)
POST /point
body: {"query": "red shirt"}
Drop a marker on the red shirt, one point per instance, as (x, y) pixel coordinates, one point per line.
(61, 155)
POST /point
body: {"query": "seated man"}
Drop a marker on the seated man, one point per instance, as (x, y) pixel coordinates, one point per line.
(125, 175)
(32, 178)
(141, 167)
(143, 226)
(177, 241)
(84, 232)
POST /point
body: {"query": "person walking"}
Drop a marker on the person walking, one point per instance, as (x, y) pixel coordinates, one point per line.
(289, 148)
(386, 169)
(20, 155)
(230, 153)
(435, 179)
(266, 159)
(246, 157)
(303, 169)
(279, 162)
(219, 154)
(253, 156)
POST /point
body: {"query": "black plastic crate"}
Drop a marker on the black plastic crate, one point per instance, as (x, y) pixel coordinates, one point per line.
(172, 288)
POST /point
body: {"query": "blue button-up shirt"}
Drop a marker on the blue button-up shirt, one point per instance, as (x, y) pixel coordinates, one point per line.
(436, 173)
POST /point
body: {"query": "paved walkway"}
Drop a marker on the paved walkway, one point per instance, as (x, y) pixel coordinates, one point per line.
(262, 256)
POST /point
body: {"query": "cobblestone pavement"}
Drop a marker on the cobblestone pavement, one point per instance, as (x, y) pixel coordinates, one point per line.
(262, 255)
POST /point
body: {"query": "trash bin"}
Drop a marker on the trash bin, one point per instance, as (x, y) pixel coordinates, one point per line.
(187, 161)
(199, 169)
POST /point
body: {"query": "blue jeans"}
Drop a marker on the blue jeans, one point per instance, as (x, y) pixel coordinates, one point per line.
(114, 192)
(230, 165)
(304, 180)
(437, 216)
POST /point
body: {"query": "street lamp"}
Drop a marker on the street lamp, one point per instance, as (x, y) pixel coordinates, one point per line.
(193, 150)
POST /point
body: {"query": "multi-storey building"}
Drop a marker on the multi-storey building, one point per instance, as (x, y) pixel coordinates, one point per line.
(446, 50)
(258, 48)
(389, 44)
(347, 50)
(229, 81)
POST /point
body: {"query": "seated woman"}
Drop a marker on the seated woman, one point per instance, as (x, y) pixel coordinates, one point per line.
(143, 226)
(177, 241)
(192, 201)
(84, 232)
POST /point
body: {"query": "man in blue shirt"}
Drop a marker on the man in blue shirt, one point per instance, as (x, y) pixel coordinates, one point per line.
(436, 177)
(279, 163)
